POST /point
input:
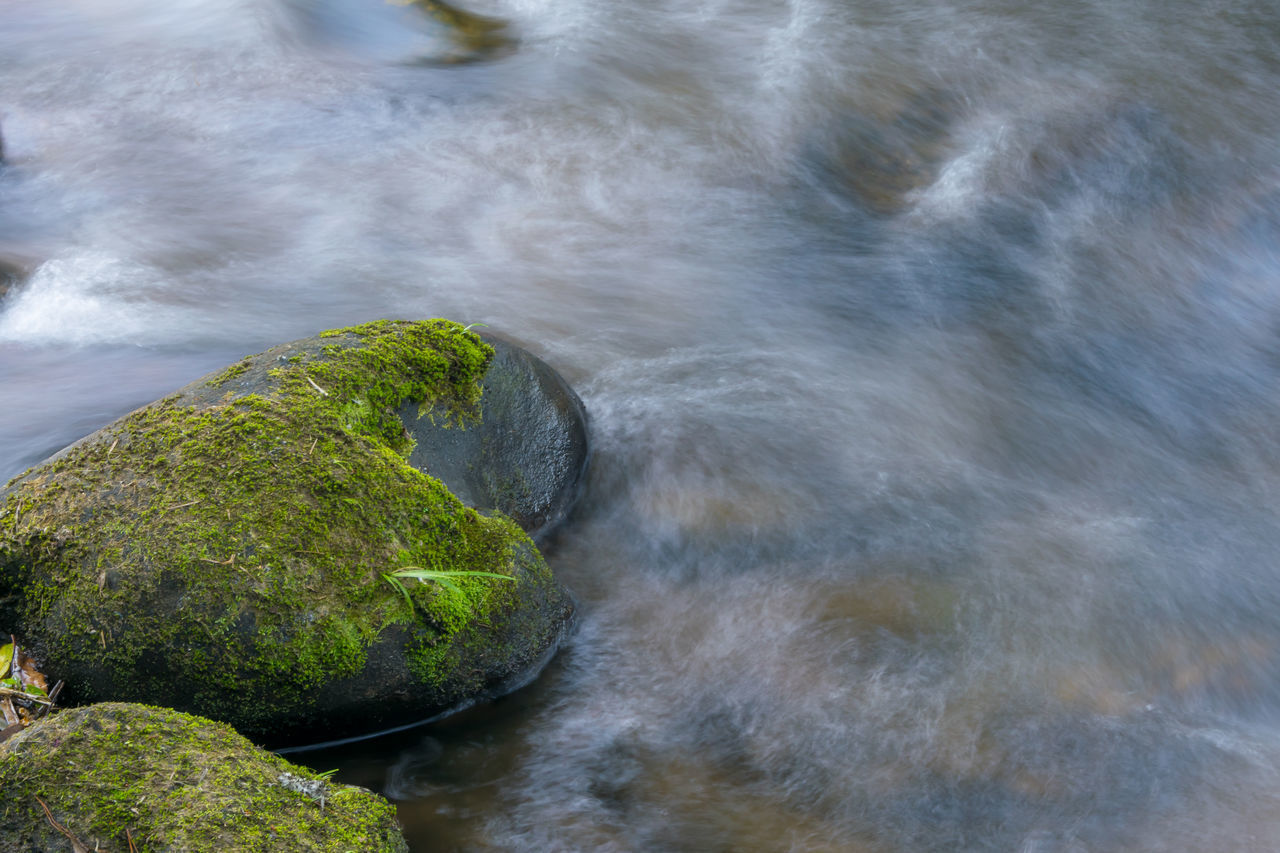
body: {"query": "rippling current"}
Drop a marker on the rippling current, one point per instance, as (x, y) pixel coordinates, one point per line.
(931, 351)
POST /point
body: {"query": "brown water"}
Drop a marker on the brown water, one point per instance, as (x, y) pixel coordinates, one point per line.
(930, 348)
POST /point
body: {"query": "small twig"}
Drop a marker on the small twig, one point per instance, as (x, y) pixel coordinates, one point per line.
(9, 693)
(129, 837)
(77, 846)
(187, 504)
(313, 446)
(323, 393)
(53, 697)
(112, 447)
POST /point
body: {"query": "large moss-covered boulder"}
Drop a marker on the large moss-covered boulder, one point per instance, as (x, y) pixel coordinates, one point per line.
(116, 773)
(229, 550)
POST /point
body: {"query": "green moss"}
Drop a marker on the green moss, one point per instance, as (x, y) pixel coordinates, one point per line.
(230, 373)
(261, 524)
(112, 773)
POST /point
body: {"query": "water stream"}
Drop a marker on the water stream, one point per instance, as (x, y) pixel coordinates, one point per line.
(930, 349)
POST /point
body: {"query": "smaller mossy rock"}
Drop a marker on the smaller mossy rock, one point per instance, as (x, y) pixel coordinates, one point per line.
(116, 773)
(527, 456)
(225, 551)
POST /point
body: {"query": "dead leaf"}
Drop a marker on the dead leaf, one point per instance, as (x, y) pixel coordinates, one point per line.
(25, 669)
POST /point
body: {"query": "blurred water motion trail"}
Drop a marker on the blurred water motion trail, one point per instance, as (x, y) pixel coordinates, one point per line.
(930, 349)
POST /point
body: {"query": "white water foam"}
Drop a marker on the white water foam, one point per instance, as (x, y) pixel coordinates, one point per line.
(91, 298)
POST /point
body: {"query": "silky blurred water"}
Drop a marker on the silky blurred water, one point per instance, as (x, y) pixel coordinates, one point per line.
(930, 351)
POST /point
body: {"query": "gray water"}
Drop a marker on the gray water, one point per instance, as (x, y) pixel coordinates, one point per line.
(930, 349)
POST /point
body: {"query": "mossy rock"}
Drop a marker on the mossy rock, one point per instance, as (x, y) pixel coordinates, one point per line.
(224, 551)
(114, 773)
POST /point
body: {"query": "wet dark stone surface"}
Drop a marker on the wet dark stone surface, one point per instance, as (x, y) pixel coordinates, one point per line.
(528, 455)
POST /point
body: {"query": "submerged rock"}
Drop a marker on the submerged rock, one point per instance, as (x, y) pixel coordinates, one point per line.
(474, 37)
(879, 158)
(12, 272)
(228, 550)
(415, 32)
(117, 776)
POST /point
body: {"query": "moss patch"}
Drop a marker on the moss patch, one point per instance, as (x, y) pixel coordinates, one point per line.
(225, 376)
(174, 782)
(221, 550)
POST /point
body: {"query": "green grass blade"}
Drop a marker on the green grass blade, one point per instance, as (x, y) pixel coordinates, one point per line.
(395, 582)
(441, 574)
(449, 585)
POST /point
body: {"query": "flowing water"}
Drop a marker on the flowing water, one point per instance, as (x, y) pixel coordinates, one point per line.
(930, 350)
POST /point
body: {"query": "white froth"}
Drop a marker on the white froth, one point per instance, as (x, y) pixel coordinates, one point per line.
(89, 298)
